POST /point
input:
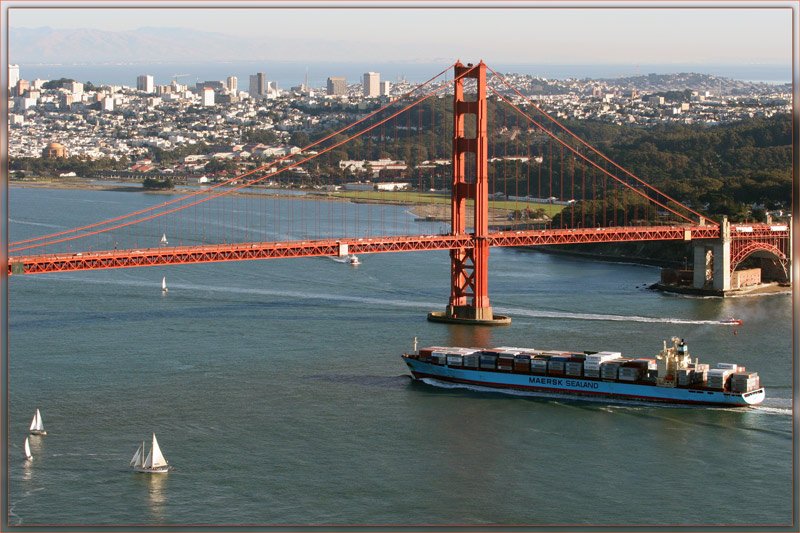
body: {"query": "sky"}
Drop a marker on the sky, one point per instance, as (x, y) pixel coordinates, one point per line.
(645, 33)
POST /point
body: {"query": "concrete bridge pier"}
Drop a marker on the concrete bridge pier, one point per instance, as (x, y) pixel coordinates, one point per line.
(712, 261)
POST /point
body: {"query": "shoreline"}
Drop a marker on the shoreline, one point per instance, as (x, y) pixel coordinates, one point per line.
(432, 212)
(764, 289)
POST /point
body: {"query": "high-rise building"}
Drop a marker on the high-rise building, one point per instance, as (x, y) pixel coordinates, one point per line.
(372, 82)
(22, 87)
(13, 76)
(208, 96)
(65, 100)
(258, 84)
(337, 86)
(75, 87)
(233, 84)
(144, 83)
(213, 85)
(386, 87)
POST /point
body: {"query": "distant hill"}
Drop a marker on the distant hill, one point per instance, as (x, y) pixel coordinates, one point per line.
(48, 45)
(655, 83)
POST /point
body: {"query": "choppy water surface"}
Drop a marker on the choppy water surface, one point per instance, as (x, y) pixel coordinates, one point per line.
(277, 392)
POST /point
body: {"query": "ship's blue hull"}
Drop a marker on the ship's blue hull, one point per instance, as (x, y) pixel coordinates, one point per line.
(582, 387)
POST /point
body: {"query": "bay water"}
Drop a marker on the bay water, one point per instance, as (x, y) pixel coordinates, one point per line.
(277, 393)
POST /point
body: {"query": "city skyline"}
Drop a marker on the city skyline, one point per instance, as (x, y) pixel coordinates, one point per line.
(641, 34)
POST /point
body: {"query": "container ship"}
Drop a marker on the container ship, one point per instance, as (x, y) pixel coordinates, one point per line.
(671, 377)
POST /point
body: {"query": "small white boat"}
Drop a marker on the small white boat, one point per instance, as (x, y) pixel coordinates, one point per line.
(28, 455)
(351, 259)
(164, 239)
(730, 320)
(37, 428)
(154, 463)
(164, 284)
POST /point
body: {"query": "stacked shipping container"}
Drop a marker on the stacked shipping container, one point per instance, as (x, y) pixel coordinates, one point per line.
(608, 366)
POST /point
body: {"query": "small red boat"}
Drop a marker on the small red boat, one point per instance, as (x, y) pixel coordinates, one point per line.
(730, 320)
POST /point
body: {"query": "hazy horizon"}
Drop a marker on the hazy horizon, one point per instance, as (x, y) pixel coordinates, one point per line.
(508, 35)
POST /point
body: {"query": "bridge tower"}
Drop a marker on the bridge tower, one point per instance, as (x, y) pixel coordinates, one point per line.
(469, 266)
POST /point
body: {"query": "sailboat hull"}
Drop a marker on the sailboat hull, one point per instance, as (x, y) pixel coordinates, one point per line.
(38, 432)
(157, 470)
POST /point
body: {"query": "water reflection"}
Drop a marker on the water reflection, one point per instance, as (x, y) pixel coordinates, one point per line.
(469, 336)
(156, 486)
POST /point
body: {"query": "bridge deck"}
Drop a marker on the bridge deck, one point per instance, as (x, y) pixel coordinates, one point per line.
(62, 262)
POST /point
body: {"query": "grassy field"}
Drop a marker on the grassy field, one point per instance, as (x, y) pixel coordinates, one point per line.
(411, 197)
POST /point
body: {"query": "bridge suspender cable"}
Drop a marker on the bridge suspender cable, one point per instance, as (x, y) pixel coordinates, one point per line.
(227, 182)
(235, 178)
(590, 147)
(287, 167)
(588, 161)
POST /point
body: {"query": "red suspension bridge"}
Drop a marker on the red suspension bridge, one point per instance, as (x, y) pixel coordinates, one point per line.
(493, 148)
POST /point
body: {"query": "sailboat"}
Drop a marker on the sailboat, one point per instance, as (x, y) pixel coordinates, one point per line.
(37, 428)
(154, 463)
(164, 284)
(164, 239)
(28, 455)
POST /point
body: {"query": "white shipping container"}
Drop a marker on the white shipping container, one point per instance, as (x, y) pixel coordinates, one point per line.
(605, 355)
(454, 360)
(719, 372)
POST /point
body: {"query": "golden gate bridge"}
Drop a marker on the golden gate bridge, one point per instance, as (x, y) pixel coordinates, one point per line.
(502, 150)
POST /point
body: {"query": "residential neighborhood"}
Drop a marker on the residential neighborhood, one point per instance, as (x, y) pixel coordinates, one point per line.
(126, 123)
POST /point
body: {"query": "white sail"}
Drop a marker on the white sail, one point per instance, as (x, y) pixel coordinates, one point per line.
(147, 461)
(164, 238)
(27, 449)
(164, 283)
(137, 457)
(158, 458)
(36, 424)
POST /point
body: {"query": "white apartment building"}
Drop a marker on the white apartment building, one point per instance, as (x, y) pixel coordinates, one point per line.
(208, 96)
(13, 76)
(372, 82)
(145, 83)
(74, 87)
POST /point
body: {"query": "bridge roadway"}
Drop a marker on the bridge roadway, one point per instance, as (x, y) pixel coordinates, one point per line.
(63, 262)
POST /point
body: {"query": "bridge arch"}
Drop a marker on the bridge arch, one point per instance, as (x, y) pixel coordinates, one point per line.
(763, 250)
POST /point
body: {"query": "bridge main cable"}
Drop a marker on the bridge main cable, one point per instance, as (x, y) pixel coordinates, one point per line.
(590, 147)
(595, 165)
(229, 181)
